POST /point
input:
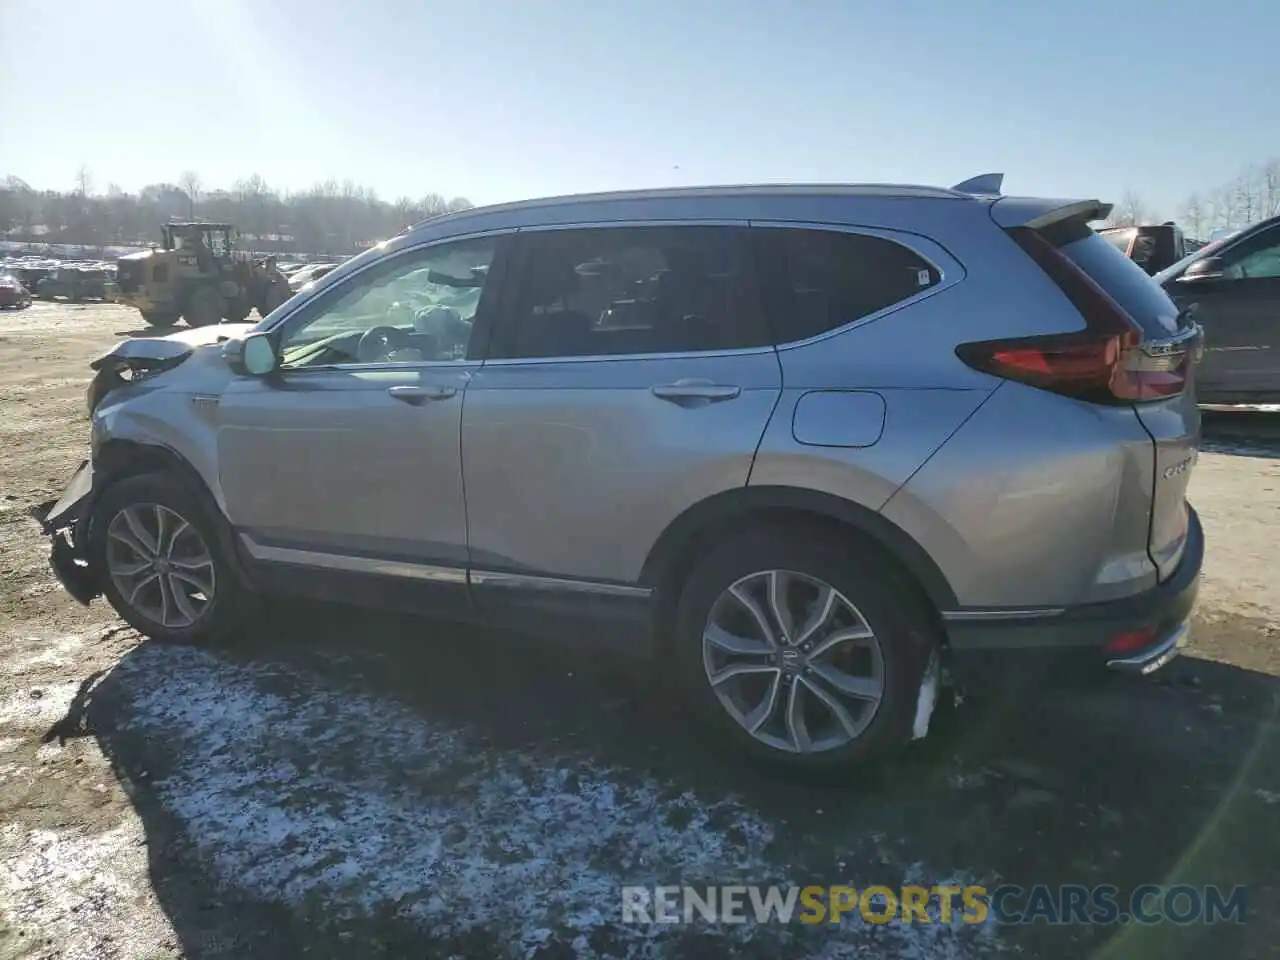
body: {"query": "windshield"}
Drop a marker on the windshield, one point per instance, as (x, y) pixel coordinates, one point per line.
(1120, 239)
(425, 302)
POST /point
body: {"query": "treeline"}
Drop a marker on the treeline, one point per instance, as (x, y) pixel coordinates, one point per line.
(329, 218)
(1253, 195)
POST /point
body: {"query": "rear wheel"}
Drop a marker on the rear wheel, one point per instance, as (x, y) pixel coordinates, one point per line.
(204, 307)
(802, 651)
(164, 570)
(159, 318)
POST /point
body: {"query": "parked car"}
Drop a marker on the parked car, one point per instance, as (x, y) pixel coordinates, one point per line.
(304, 275)
(30, 274)
(77, 284)
(804, 462)
(1151, 246)
(13, 295)
(1233, 285)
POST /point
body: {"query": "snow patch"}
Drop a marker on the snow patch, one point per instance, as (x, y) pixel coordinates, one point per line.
(1267, 796)
(88, 894)
(295, 793)
(60, 652)
(39, 705)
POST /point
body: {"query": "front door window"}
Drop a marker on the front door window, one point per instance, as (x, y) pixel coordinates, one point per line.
(419, 307)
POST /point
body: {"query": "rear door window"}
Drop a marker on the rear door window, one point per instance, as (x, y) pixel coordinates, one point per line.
(820, 280)
(625, 291)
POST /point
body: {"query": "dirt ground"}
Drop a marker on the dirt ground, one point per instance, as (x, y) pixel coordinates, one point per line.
(347, 785)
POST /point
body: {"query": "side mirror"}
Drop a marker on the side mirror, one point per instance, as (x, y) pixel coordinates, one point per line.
(258, 355)
(1208, 268)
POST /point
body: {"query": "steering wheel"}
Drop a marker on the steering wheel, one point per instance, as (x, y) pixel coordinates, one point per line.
(379, 342)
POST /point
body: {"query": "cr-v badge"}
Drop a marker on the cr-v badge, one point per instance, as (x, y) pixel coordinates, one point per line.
(1180, 467)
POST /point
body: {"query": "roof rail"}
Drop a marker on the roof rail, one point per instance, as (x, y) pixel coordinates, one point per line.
(986, 184)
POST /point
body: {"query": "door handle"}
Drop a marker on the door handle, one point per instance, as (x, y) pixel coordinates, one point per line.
(415, 395)
(685, 392)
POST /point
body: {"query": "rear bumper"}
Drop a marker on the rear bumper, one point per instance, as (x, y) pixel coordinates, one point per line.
(989, 644)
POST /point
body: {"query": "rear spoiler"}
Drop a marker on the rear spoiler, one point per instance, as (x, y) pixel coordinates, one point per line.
(1037, 213)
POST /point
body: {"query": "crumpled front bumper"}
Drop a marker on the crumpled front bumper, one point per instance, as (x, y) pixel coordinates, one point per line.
(66, 522)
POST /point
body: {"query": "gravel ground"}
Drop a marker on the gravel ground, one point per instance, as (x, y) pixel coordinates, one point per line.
(347, 785)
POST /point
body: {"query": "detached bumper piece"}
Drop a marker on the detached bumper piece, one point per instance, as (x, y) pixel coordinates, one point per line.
(65, 522)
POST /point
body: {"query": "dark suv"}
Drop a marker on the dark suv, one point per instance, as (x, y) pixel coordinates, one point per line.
(1234, 284)
(1152, 246)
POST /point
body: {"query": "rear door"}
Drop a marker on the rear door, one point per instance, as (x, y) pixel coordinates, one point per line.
(629, 376)
(1173, 424)
(1240, 312)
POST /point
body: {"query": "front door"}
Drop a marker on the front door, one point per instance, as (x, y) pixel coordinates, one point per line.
(630, 376)
(1240, 313)
(347, 459)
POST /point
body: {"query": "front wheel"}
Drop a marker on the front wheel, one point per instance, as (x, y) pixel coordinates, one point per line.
(802, 651)
(276, 294)
(203, 308)
(159, 318)
(237, 311)
(164, 569)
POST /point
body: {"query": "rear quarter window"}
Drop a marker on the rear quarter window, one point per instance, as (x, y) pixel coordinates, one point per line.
(1125, 282)
(819, 280)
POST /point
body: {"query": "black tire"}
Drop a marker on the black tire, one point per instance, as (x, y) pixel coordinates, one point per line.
(230, 603)
(275, 295)
(160, 319)
(896, 611)
(204, 307)
(236, 311)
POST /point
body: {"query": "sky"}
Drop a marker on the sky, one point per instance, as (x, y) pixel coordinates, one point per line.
(505, 99)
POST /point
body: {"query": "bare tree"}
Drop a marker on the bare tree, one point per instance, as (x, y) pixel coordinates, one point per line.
(250, 188)
(84, 179)
(190, 184)
(1270, 176)
(335, 216)
(1246, 197)
(1129, 211)
(1194, 216)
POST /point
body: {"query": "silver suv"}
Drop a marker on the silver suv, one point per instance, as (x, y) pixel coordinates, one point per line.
(813, 446)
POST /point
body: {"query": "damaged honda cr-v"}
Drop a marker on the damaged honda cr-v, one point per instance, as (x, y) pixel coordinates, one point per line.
(810, 446)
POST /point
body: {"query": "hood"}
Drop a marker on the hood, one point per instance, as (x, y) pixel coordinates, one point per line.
(140, 255)
(171, 347)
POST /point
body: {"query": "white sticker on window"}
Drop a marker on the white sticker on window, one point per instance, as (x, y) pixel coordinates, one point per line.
(923, 278)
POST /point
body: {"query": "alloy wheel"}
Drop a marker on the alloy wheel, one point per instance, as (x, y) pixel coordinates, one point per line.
(160, 565)
(793, 661)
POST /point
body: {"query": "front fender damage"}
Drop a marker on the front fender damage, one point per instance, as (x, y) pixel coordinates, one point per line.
(131, 361)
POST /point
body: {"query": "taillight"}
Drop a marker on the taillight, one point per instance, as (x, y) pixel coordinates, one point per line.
(1123, 643)
(1106, 362)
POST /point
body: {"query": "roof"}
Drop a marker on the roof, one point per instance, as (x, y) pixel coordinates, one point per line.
(732, 190)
